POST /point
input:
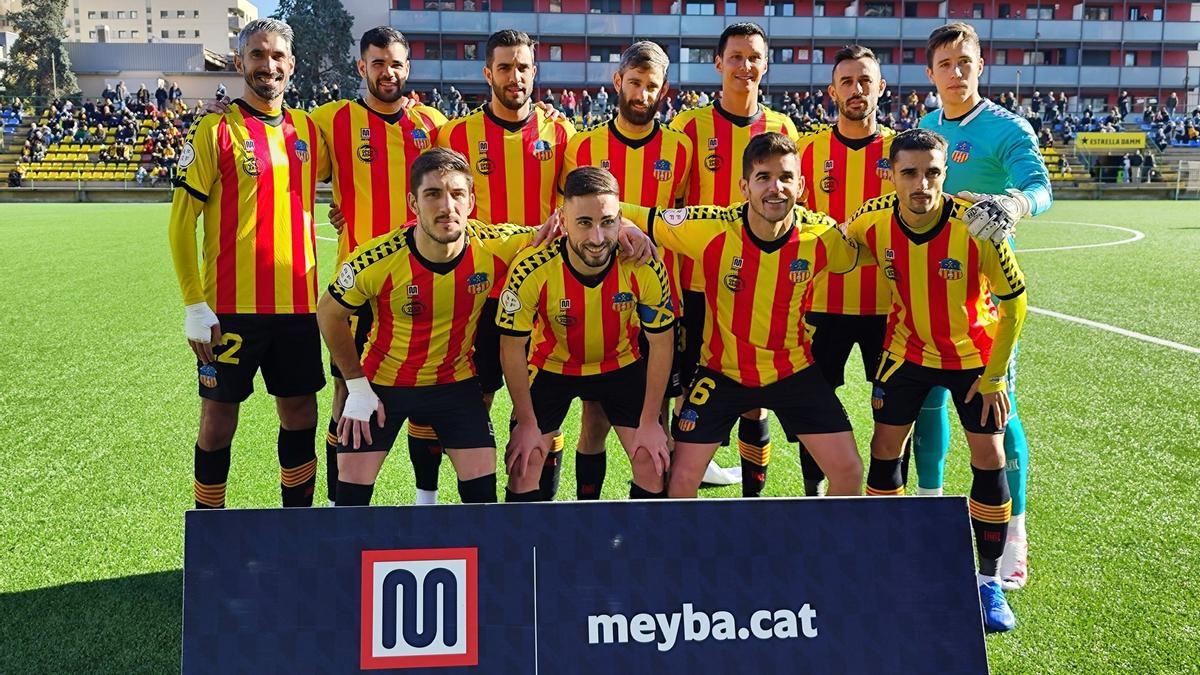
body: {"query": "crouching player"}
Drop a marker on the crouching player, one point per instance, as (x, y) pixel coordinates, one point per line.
(943, 331)
(584, 308)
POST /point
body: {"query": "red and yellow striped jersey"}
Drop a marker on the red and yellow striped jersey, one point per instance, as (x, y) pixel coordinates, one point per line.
(942, 283)
(719, 138)
(839, 175)
(652, 170)
(426, 313)
(515, 165)
(583, 325)
(371, 153)
(253, 177)
(755, 290)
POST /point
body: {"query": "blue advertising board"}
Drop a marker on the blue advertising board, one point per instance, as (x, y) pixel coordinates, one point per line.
(691, 587)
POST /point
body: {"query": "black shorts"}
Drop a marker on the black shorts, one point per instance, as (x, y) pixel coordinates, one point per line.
(620, 394)
(675, 381)
(803, 402)
(360, 325)
(901, 387)
(834, 335)
(455, 411)
(487, 349)
(287, 347)
(691, 336)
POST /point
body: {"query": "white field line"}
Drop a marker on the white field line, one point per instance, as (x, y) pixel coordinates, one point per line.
(1115, 329)
(1136, 237)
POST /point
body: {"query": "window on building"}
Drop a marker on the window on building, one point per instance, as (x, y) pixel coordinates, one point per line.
(701, 8)
(802, 55)
(166, 34)
(977, 11)
(884, 56)
(1045, 13)
(818, 56)
(123, 34)
(195, 14)
(1131, 58)
(162, 14)
(103, 14)
(1095, 57)
(135, 34)
(730, 8)
(181, 34)
(133, 14)
(908, 56)
(818, 9)
(1004, 11)
(179, 14)
(1156, 14)
(1097, 13)
(120, 14)
(597, 7)
(605, 54)
(879, 9)
(91, 35)
(91, 15)
(556, 52)
(787, 55)
(1156, 59)
(1000, 58)
(556, 6)
(910, 9)
(1034, 58)
(197, 34)
(694, 55)
(470, 52)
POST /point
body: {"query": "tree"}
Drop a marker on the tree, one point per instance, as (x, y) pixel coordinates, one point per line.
(38, 63)
(322, 46)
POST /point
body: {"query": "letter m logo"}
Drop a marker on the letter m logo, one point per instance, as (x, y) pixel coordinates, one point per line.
(419, 608)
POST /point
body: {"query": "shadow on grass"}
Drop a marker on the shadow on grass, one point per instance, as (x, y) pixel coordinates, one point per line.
(124, 625)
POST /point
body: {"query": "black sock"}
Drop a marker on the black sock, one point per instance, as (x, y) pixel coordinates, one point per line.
(813, 475)
(353, 494)
(552, 471)
(297, 466)
(480, 490)
(589, 475)
(210, 473)
(991, 508)
(883, 477)
(425, 454)
(638, 492)
(534, 495)
(904, 461)
(331, 472)
(754, 446)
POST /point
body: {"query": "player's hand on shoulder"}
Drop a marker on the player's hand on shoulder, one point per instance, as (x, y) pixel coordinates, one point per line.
(218, 106)
(993, 217)
(549, 230)
(551, 112)
(336, 218)
(355, 425)
(636, 245)
(203, 330)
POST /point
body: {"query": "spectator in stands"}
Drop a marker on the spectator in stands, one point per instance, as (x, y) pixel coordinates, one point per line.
(1135, 164)
(548, 98)
(568, 104)
(1045, 138)
(1035, 104)
(109, 93)
(1123, 104)
(16, 175)
(175, 94)
(1126, 166)
(585, 106)
(161, 95)
(159, 174)
(1012, 102)
(1064, 167)
(885, 102)
(932, 101)
(323, 95)
(602, 102)
(335, 92)
(141, 175)
(1148, 166)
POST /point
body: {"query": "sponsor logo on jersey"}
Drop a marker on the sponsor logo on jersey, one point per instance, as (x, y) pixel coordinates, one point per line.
(604, 164)
(345, 277)
(889, 254)
(253, 166)
(366, 153)
(478, 283)
(736, 263)
(674, 217)
(419, 608)
(829, 184)
(712, 163)
(662, 170)
(712, 143)
(950, 269)
(962, 152)
(248, 144)
(187, 155)
(510, 302)
(799, 271)
(622, 301)
(483, 147)
(364, 134)
(828, 165)
(483, 166)
(877, 397)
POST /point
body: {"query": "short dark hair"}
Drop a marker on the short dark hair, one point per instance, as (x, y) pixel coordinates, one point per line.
(746, 28)
(590, 180)
(437, 159)
(951, 34)
(916, 139)
(762, 146)
(382, 37)
(853, 53)
(507, 38)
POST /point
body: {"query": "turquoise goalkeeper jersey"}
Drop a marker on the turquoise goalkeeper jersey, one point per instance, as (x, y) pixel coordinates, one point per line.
(991, 150)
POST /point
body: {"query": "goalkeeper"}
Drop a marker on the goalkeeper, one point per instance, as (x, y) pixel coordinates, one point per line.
(995, 162)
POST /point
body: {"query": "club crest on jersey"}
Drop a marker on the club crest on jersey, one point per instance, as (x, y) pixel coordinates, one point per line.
(662, 170)
(799, 271)
(253, 166)
(687, 419)
(890, 273)
(420, 139)
(365, 152)
(478, 283)
(712, 163)
(542, 149)
(883, 169)
(962, 152)
(733, 281)
(950, 269)
(208, 375)
(483, 166)
(828, 165)
(622, 301)
(877, 397)
(302, 150)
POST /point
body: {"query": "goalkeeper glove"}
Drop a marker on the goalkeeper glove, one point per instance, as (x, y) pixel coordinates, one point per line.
(995, 217)
(198, 322)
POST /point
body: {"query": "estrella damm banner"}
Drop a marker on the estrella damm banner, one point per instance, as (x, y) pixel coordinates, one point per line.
(1098, 141)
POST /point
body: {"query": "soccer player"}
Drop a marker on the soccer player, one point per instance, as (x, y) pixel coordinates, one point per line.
(720, 132)
(251, 174)
(994, 155)
(844, 166)
(756, 262)
(585, 309)
(373, 141)
(650, 163)
(515, 150)
(944, 331)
